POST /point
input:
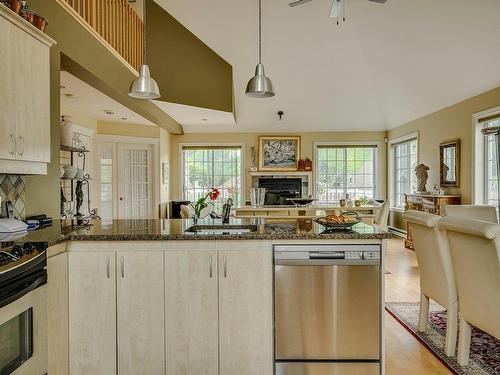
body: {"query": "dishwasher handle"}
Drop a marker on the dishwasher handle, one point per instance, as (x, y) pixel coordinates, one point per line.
(326, 255)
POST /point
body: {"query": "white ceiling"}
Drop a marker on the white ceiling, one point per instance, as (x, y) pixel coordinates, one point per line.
(202, 118)
(387, 65)
(92, 104)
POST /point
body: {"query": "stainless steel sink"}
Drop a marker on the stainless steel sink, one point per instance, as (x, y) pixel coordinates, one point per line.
(221, 229)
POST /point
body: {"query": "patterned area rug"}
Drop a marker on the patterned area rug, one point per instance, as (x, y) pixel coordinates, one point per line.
(485, 349)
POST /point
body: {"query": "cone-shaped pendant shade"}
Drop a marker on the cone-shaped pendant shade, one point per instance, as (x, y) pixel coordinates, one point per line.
(144, 87)
(260, 86)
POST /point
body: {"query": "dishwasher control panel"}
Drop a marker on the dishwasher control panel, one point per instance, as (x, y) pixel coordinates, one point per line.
(320, 254)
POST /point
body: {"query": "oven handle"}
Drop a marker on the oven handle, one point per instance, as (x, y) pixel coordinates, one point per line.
(19, 292)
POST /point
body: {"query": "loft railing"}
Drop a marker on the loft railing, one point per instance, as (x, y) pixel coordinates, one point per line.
(116, 22)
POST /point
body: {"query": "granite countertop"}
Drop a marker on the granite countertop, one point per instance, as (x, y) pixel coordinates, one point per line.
(175, 229)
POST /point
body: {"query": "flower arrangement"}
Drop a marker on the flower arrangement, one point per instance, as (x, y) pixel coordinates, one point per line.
(205, 201)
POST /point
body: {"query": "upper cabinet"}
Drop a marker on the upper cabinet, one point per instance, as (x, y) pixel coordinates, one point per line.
(24, 96)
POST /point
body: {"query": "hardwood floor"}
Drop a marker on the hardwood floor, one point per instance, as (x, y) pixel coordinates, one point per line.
(404, 354)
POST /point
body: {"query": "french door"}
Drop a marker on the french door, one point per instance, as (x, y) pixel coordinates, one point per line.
(126, 181)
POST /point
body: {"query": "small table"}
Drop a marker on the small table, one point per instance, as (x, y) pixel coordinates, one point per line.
(430, 203)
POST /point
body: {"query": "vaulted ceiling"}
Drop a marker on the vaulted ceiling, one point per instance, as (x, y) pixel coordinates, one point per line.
(387, 65)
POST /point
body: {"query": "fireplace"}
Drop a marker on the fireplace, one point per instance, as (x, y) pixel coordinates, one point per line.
(280, 189)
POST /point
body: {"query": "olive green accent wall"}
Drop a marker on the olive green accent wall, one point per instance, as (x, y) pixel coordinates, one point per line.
(88, 59)
(187, 70)
(43, 192)
(450, 123)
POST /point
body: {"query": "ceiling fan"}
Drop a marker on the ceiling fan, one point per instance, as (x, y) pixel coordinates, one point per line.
(338, 8)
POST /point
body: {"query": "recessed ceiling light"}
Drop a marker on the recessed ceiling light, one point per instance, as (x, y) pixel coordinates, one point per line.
(124, 118)
(203, 119)
(69, 95)
(62, 87)
(109, 112)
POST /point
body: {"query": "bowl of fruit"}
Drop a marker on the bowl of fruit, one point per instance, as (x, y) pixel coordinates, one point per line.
(343, 221)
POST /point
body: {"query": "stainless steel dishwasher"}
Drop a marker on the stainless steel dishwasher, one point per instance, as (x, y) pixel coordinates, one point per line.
(328, 309)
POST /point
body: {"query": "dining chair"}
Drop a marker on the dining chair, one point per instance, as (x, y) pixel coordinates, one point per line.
(381, 215)
(437, 280)
(475, 253)
(484, 213)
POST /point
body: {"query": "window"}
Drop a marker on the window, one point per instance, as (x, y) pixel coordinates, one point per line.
(106, 182)
(490, 163)
(211, 166)
(342, 170)
(405, 158)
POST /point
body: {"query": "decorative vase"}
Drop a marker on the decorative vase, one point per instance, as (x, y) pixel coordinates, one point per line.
(342, 202)
(357, 203)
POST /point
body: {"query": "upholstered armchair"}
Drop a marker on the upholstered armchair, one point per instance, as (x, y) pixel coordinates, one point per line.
(475, 252)
(484, 213)
(437, 280)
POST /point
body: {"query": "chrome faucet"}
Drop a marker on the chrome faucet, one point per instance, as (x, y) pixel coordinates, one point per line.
(226, 211)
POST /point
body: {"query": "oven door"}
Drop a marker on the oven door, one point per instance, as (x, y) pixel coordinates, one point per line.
(23, 333)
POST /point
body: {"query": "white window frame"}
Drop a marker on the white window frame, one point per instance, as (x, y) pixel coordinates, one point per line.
(378, 169)
(479, 151)
(391, 173)
(242, 167)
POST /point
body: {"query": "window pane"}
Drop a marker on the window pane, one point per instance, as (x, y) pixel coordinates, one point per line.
(208, 168)
(405, 178)
(345, 170)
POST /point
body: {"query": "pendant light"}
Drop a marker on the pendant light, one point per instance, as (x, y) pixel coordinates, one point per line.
(144, 87)
(260, 86)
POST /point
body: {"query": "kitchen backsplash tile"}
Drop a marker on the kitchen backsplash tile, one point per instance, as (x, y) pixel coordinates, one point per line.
(12, 188)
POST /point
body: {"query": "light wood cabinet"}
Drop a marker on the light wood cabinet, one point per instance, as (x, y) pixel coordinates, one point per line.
(219, 309)
(246, 309)
(24, 95)
(191, 312)
(92, 313)
(140, 313)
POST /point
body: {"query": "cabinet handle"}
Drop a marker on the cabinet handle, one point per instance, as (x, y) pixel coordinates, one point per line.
(122, 266)
(225, 265)
(12, 144)
(210, 269)
(21, 139)
(108, 271)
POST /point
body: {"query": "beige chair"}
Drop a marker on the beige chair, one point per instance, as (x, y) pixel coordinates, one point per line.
(382, 214)
(437, 281)
(475, 252)
(484, 213)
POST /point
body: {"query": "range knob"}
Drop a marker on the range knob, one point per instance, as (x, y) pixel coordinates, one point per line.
(17, 251)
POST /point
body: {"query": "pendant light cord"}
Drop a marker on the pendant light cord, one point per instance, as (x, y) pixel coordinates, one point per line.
(144, 11)
(260, 31)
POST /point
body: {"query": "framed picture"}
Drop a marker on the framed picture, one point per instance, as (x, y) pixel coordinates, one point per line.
(279, 153)
(164, 173)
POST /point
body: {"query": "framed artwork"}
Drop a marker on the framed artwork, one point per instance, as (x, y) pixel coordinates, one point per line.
(279, 153)
(164, 173)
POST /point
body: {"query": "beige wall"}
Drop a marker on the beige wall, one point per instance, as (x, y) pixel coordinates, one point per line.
(251, 139)
(450, 123)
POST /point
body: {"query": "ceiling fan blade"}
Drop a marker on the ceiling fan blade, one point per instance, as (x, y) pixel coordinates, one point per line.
(298, 2)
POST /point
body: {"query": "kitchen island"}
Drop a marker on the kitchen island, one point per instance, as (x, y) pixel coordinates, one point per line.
(179, 297)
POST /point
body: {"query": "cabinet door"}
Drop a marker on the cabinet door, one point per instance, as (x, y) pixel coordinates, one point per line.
(31, 69)
(7, 103)
(92, 313)
(191, 312)
(246, 308)
(140, 312)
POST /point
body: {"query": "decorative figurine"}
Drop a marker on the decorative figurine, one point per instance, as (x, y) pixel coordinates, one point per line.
(422, 176)
(79, 197)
